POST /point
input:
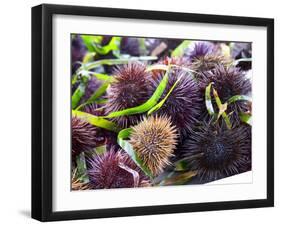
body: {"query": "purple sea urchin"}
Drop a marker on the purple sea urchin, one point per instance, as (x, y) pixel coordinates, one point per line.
(199, 50)
(115, 170)
(207, 62)
(78, 51)
(93, 109)
(85, 136)
(216, 152)
(131, 88)
(184, 103)
(228, 82)
(130, 46)
(154, 140)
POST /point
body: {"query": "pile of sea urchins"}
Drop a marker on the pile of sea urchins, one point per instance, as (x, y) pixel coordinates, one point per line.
(182, 129)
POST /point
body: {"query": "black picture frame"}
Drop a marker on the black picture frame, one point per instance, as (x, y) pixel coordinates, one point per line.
(42, 111)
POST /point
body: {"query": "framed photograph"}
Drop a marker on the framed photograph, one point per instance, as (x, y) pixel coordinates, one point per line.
(147, 112)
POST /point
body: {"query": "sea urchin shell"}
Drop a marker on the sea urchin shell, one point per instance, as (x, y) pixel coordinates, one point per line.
(200, 49)
(207, 62)
(228, 82)
(131, 88)
(154, 140)
(85, 136)
(216, 152)
(115, 170)
(184, 103)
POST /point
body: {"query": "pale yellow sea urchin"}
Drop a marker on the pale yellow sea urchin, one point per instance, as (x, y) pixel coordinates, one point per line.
(154, 139)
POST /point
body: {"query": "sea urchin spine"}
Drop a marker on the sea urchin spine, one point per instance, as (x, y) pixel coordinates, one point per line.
(216, 152)
(228, 82)
(154, 140)
(85, 136)
(184, 103)
(115, 169)
(132, 87)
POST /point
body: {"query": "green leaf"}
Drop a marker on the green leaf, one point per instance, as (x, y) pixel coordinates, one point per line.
(239, 98)
(74, 79)
(101, 101)
(100, 150)
(208, 100)
(81, 168)
(99, 92)
(180, 49)
(160, 104)
(78, 93)
(99, 63)
(181, 165)
(147, 105)
(178, 178)
(113, 45)
(89, 40)
(96, 121)
(125, 144)
(163, 67)
(88, 57)
(222, 109)
(246, 117)
(102, 77)
(142, 46)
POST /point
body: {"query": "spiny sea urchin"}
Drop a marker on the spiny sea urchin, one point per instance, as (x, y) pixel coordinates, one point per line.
(184, 103)
(154, 140)
(93, 109)
(216, 152)
(115, 169)
(207, 62)
(130, 46)
(131, 88)
(228, 82)
(78, 51)
(199, 50)
(85, 136)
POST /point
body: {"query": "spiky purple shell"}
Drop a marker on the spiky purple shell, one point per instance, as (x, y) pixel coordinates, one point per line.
(228, 82)
(110, 137)
(131, 88)
(93, 109)
(184, 103)
(207, 62)
(78, 51)
(216, 152)
(200, 49)
(130, 46)
(85, 136)
(115, 170)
